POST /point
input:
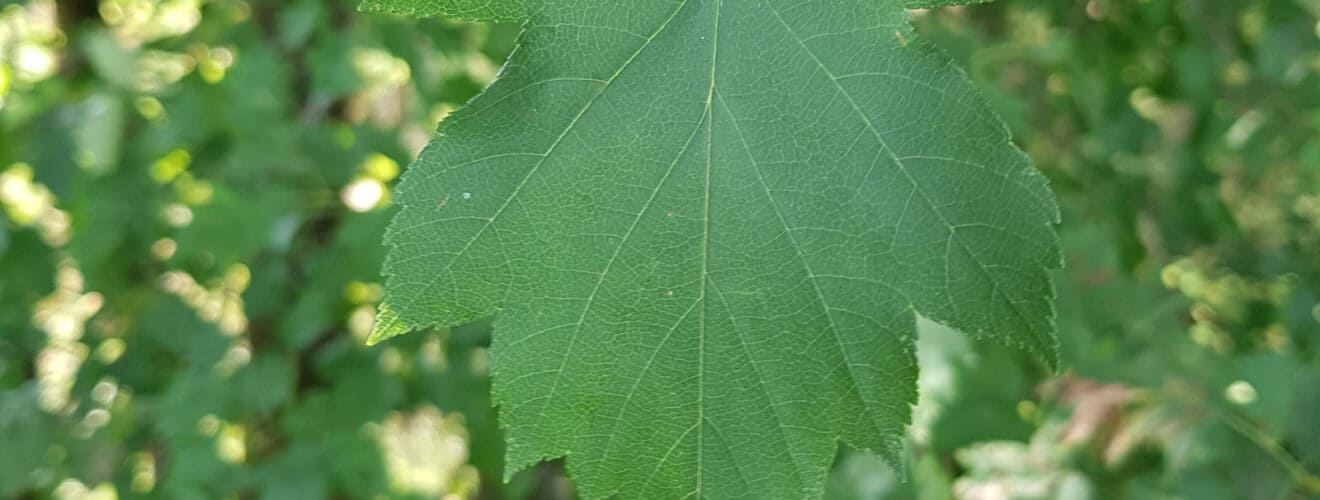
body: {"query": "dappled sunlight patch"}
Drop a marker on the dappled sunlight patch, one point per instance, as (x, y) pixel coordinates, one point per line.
(212, 62)
(31, 43)
(363, 194)
(158, 69)
(176, 215)
(368, 190)
(136, 22)
(73, 489)
(426, 453)
(220, 304)
(30, 204)
(63, 315)
(1226, 305)
(230, 438)
(144, 472)
(382, 99)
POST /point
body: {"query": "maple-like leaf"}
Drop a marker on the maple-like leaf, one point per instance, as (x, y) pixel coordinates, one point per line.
(705, 228)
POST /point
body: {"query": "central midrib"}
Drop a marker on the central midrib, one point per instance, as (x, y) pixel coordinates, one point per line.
(705, 250)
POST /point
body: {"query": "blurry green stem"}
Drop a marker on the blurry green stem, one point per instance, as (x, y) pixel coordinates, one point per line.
(1304, 478)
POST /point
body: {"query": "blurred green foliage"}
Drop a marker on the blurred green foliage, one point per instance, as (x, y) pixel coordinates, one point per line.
(192, 196)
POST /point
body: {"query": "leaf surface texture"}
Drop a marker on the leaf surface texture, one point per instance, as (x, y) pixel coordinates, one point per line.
(706, 227)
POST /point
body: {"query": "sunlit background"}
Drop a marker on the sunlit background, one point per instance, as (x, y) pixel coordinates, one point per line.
(193, 194)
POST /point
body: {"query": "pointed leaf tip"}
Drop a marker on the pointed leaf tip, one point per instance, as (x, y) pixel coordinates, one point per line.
(387, 326)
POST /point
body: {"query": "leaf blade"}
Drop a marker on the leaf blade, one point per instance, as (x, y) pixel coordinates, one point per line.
(664, 304)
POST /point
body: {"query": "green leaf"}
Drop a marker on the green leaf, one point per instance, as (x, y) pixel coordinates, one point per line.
(922, 4)
(706, 227)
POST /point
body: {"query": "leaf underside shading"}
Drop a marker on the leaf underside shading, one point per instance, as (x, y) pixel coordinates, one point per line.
(706, 227)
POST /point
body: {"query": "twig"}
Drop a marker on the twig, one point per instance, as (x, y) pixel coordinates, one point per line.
(1304, 478)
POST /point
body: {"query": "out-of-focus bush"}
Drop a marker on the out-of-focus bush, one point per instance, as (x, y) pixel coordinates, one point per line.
(193, 195)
